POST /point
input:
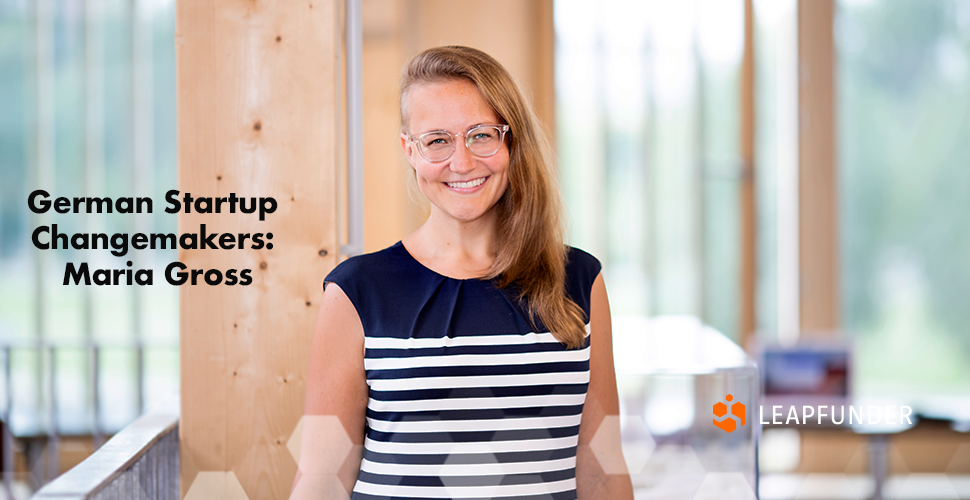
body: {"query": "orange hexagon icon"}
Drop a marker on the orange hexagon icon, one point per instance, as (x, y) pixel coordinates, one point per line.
(720, 409)
(737, 409)
(729, 422)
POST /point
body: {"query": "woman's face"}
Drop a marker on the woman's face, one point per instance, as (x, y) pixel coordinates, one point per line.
(464, 187)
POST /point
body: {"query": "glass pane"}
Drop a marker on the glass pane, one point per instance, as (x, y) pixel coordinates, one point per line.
(88, 94)
(63, 304)
(720, 33)
(904, 119)
(16, 275)
(776, 163)
(647, 110)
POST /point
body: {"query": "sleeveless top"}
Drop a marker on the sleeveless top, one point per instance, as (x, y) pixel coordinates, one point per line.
(465, 399)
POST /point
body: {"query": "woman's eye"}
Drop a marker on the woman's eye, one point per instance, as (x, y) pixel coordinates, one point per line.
(483, 137)
(436, 141)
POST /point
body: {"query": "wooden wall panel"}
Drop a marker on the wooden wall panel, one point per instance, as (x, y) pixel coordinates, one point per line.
(257, 116)
(517, 33)
(817, 177)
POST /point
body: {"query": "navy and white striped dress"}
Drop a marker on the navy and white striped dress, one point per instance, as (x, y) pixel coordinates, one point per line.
(465, 399)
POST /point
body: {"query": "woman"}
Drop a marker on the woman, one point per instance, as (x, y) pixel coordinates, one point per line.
(427, 353)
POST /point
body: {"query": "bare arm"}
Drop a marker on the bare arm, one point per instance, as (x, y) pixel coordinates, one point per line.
(600, 468)
(335, 405)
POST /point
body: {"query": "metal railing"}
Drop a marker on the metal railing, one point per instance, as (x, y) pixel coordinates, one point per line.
(139, 463)
(46, 378)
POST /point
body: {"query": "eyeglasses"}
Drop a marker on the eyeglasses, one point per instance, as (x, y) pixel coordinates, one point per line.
(481, 141)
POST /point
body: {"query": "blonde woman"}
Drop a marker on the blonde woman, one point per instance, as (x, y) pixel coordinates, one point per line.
(473, 359)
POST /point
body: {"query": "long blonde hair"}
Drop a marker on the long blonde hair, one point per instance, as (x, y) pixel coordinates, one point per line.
(532, 257)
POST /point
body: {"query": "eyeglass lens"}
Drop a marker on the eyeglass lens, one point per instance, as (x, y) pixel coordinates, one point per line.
(480, 141)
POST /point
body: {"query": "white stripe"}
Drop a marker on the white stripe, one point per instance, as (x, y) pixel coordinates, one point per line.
(478, 403)
(491, 469)
(453, 472)
(520, 358)
(411, 384)
(462, 341)
(473, 447)
(393, 490)
(498, 424)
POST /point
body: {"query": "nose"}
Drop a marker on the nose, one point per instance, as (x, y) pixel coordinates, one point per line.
(462, 160)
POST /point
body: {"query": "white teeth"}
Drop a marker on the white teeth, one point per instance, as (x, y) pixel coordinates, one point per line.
(466, 185)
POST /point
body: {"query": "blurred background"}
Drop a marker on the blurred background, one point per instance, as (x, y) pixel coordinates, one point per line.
(88, 99)
(789, 172)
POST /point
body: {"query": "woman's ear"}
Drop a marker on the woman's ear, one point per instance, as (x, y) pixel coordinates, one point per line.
(408, 148)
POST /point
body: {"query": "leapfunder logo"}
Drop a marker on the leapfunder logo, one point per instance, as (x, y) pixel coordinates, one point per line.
(729, 422)
(873, 415)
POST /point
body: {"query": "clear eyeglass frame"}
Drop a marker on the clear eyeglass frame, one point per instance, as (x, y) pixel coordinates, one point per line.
(469, 136)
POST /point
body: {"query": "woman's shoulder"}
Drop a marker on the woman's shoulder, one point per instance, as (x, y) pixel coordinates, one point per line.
(581, 271)
(582, 264)
(369, 267)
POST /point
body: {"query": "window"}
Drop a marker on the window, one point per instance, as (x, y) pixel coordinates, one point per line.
(88, 93)
(648, 136)
(903, 82)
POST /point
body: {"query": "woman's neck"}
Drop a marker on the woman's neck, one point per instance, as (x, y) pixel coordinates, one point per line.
(454, 248)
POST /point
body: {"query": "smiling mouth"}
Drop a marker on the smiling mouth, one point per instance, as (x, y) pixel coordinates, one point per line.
(467, 184)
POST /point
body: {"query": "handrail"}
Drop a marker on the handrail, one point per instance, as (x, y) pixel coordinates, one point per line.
(48, 348)
(140, 462)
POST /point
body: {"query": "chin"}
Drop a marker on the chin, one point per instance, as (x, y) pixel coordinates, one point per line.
(469, 214)
(465, 216)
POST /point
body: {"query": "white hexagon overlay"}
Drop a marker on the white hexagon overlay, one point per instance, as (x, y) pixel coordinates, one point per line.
(779, 485)
(674, 471)
(960, 483)
(216, 485)
(629, 432)
(318, 486)
(894, 459)
(828, 485)
(293, 444)
(918, 486)
(960, 463)
(859, 461)
(457, 467)
(332, 444)
(725, 486)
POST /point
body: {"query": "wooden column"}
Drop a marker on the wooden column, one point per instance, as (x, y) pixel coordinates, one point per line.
(749, 216)
(817, 174)
(519, 34)
(258, 115)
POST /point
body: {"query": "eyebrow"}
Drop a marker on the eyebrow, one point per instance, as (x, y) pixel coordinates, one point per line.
(466, 130)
